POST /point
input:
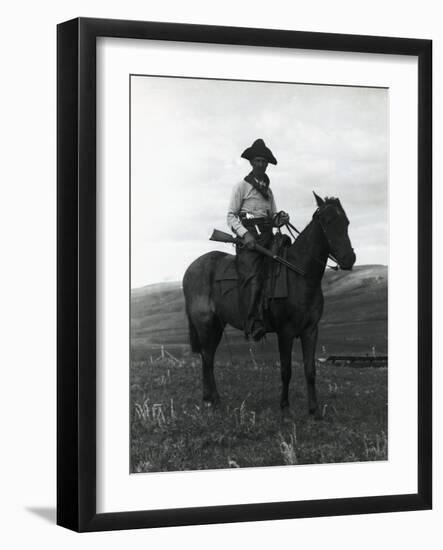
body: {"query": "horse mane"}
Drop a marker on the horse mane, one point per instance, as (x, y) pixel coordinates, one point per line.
(327, 201)
(332, 200)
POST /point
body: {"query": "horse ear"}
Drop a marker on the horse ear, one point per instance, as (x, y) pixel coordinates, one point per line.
(320, 201)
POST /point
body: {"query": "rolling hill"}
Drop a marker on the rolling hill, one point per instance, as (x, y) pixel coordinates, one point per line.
(354, 319)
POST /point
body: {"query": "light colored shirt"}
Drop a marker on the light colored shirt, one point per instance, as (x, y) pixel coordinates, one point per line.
(245, 198)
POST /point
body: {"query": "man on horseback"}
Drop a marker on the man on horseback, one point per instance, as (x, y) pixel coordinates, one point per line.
(252, 215)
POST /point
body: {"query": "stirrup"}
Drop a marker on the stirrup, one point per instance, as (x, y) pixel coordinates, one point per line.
(258, 333)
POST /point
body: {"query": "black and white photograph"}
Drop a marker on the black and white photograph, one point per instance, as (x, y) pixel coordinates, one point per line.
(220, 292)
(259, 265)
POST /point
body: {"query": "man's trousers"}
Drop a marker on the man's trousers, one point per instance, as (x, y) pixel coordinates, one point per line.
(252, 269)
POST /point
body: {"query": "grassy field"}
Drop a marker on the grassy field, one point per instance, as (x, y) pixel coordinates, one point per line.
(171, 428)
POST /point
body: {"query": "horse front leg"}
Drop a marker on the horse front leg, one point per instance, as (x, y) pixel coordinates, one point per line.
(309, 343)
(285, 347)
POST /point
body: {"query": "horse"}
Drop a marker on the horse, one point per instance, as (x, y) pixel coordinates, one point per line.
(296, 316)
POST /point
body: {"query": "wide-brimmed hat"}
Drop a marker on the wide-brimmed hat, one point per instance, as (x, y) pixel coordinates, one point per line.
(259, 149)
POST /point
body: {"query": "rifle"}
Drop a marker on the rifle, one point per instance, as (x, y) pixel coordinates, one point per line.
(222, 237)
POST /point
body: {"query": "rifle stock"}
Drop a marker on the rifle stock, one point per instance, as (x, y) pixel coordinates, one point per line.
(222, 237)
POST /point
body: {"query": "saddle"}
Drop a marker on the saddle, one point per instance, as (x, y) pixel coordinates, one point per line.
(276, 283)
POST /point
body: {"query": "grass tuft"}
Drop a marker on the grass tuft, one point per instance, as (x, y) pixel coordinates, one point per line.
(288, 449)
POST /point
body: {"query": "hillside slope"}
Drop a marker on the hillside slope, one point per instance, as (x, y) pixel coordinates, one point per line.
(354, 319)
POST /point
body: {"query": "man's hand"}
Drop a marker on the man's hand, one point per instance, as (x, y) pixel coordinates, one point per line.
(249, 240)
(281, 218)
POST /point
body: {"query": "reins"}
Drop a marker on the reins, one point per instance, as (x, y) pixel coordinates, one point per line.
(289, 226)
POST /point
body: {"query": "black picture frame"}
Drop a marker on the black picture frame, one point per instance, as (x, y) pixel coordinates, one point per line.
(76, 266)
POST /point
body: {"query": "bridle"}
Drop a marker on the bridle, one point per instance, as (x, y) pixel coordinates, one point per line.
(289, 226)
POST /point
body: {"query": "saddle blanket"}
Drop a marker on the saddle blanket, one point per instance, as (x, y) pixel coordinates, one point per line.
(276, 284)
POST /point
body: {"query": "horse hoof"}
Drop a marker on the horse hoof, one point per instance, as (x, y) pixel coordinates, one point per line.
(216, 400)
(212, 402)
(317, 414)
(287, 417)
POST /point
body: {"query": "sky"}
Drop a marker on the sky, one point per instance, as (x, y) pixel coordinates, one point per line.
(187, 136)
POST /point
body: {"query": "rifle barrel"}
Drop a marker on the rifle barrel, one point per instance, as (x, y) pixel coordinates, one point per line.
(280, 260)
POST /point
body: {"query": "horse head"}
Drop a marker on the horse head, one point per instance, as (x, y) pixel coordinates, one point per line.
(334, 223)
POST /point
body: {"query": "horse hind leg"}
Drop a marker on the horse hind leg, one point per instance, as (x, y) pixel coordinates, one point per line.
(209, 342)
(209, 329)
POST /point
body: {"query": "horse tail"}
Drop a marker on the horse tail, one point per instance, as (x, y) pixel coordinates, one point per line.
(193, 336)
(197, 289)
